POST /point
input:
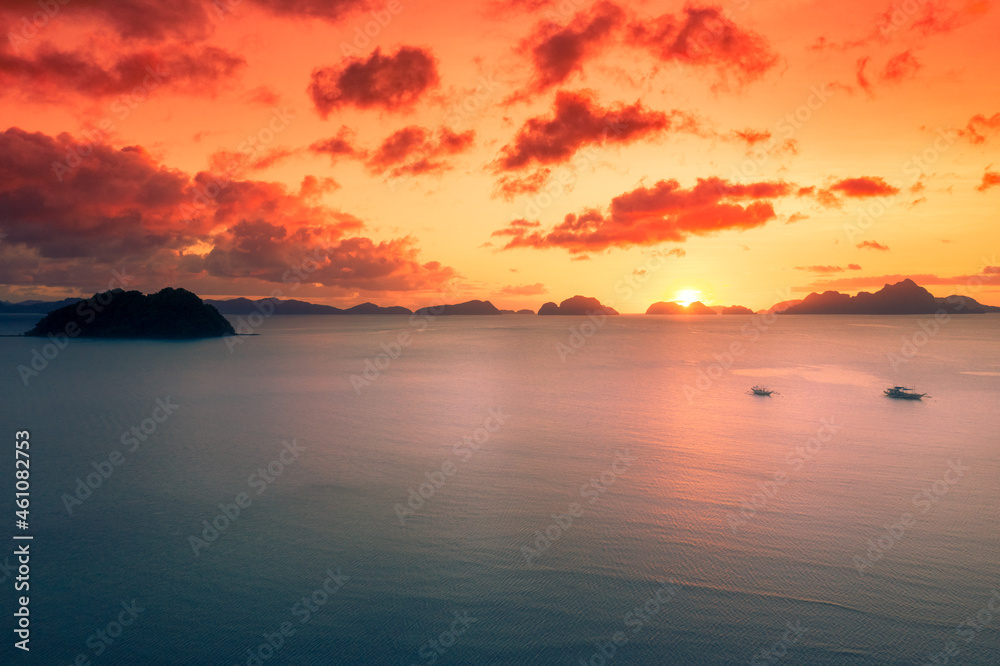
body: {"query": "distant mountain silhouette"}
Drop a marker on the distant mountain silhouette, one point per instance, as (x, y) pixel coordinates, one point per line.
(167, 314)
(737, 310)
(35, 307)
(906, 297)
(242, 306)
(525, 311)
(673, 308)
(577, 305)
(467, 308)
(783, 305)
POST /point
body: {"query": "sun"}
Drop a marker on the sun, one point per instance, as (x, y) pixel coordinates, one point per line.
(687, 296)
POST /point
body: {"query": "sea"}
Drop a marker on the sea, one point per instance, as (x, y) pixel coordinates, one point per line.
(506, 490)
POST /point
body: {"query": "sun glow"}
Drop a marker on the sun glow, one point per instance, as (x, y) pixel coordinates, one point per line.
(687, 296)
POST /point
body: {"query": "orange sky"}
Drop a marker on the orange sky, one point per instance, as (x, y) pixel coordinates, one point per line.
(519, 151)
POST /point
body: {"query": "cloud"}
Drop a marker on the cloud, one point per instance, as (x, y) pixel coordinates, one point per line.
(512, 186)
(873, 245)
(705, 36)
(859, 74)
(393, 82)
(121, 207)
(990, 179)
(50, 73)
(652, 215)
(525, 289)
(557, 52)
(341, 145)
(415, 150)
(861, 187)
(900, 67)
(578, 121)
(820, 269)
(188, 20)
(151, 20)
(865, 186)
(828, 269)
(979, 127)
(330, 10)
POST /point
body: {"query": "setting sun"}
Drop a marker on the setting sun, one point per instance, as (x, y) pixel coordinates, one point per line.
(687, 296)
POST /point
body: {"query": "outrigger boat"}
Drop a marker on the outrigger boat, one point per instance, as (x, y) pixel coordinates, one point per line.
(903, 393)
(760, 390)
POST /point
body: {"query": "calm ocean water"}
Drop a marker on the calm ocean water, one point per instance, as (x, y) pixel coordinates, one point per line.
(506, 491)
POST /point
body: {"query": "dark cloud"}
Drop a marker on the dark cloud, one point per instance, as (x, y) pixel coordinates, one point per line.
(394, 82)
(865, 186)
(578, 121)
(341, 145)
(416, 150)
(50, 73)
(653, 215)
(117, 207)
(705, 36)
(557, 51)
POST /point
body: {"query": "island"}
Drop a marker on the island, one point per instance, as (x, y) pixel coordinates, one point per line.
(467, 308)
(736, 310)
(242, 306)
(577, 305)
(170, 314)
(672, 308)
(905, 297)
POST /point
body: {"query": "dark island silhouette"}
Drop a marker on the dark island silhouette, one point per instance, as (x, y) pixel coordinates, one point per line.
(467, 308)
(577, 305)
(905, 297)
(243, 306)
(673, 308)
(172, 314)
(736, 310)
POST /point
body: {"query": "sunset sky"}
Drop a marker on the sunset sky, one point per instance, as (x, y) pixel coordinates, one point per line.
(520, 151)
